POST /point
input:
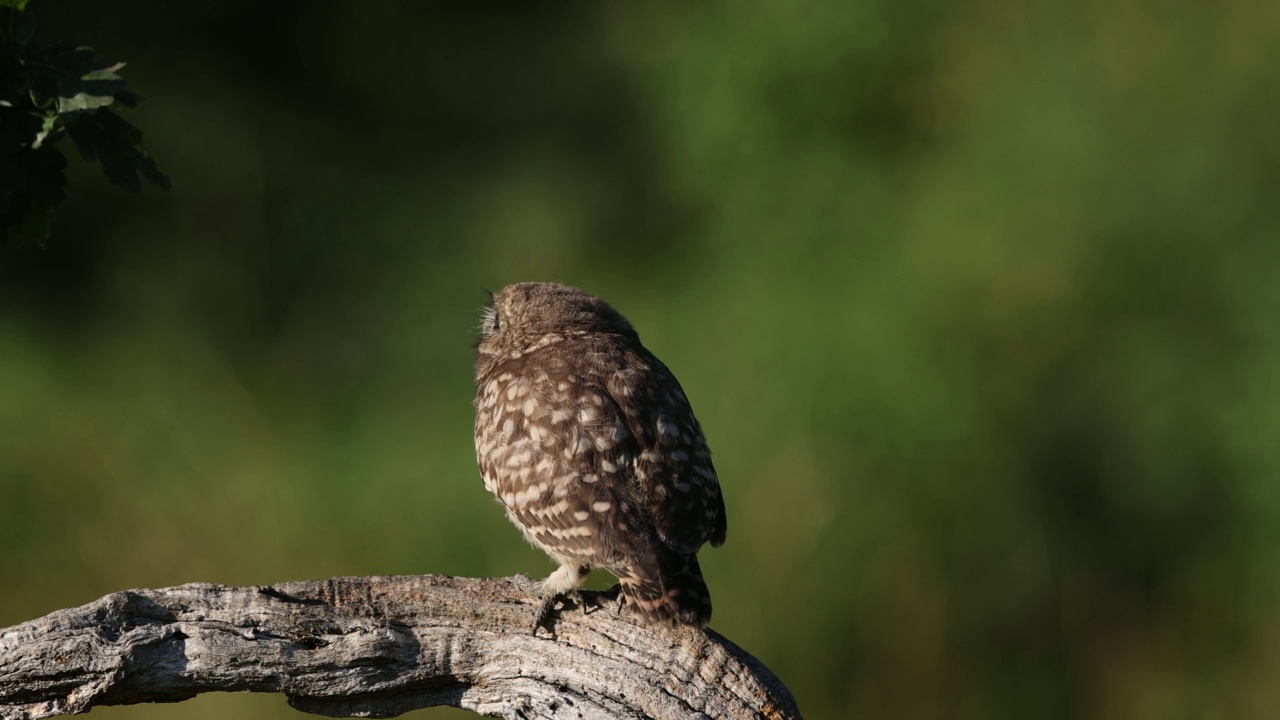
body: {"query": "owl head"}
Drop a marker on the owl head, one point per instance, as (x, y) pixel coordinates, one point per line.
(521, 315)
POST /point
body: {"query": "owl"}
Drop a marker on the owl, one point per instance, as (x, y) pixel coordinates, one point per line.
(590, 445)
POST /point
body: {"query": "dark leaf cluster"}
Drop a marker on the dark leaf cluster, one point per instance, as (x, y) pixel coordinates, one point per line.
(48, 92)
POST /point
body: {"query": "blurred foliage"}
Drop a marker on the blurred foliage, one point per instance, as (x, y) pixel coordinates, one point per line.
(51, 91)
(976, 303)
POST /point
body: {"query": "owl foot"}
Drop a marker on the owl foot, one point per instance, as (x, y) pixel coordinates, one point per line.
(547, 610)
(599, 599)
(546, 603)
(547, 597)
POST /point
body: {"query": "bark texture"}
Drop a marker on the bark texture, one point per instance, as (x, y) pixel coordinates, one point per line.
(377, 647)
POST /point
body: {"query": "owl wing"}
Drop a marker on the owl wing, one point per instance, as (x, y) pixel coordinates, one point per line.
(671, 461)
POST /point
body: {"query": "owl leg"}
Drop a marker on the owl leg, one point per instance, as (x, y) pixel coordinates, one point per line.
(563, 582)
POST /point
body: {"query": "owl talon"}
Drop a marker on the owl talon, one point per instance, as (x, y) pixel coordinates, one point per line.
(591, 600)
(601, 598)
(544, 614)
(547, 612)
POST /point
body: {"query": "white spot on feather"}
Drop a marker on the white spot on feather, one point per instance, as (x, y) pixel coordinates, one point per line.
(667, 427)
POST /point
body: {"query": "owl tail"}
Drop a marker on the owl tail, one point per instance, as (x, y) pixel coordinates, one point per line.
(667, 587)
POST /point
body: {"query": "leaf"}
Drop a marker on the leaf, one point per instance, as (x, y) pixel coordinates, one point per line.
(128, 98)
(45, 169)
(12, 139)
(47, 91)
(117, 145)
(19, 26)
(83, 101)
(12, 181)
(115, 124)
(85, 139)
(13, 77)
(34, 227)
(58, 71)
(46, 128)
(30, 203)
(104, 81)
(106, 73)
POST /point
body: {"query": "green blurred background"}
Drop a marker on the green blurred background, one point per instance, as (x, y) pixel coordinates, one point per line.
(977, 303)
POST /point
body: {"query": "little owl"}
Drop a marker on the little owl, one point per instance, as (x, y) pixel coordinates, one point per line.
(590, 444)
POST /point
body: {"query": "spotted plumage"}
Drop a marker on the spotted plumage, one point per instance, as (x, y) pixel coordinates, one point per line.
(590, 444)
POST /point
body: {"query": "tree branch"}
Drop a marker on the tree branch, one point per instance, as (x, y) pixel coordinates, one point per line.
(377, 647)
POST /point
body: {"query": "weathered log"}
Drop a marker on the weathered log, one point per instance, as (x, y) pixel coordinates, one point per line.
(378, 647)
